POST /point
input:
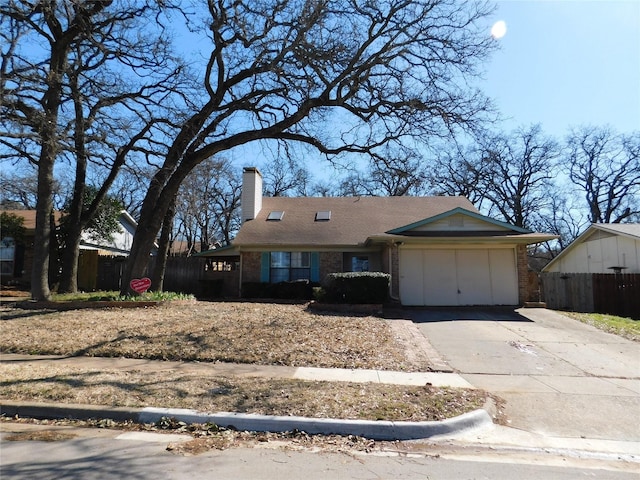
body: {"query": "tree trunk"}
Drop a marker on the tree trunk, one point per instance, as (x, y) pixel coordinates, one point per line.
(157, 278)
(70, 254)
(42, 237)
(162, 192)
(151, 216)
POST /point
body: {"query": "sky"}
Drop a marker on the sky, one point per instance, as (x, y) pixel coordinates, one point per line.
(561, 63)
(567, 63)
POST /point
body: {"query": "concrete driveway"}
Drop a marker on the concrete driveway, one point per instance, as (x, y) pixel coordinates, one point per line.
(559, 377)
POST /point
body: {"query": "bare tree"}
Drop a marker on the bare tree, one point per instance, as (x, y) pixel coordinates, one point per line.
(509, 175)
(207, 209)
(18, 189)
(454, 172)
(517, 174)
(605, 167)
(342, 76)
(397, 172)
(85, 97)
(284, 177)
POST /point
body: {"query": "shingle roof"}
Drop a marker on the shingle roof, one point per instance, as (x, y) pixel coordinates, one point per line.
(631, 229)
(353, 219)
(29, 218)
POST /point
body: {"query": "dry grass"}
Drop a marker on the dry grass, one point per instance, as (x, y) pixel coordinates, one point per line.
(262, 333)
(238, 394)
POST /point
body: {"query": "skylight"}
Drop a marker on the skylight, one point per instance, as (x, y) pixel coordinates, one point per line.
(323, 216)
(275, 216)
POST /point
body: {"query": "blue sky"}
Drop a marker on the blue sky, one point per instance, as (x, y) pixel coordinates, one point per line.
(567, 63)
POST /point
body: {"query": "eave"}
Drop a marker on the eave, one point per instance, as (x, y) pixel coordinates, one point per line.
(446, 238)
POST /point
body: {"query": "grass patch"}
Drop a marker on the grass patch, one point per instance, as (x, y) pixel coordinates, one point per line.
(113, 296)
(623, 326)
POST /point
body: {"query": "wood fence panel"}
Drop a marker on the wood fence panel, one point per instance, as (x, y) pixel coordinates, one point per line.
(617, 294)
(568, 291)
(87, 270)
(110, 269)
(183, 274)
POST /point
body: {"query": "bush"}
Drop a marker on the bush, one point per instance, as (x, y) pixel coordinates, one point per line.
(298, 290)
(357, 287)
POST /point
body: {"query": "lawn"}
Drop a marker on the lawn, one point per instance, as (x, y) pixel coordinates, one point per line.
(243, 332)
(240, 332)
(623, 326)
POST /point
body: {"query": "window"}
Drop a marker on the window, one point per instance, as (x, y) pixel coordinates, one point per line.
(289, 266)
(323, 216)
(359, 264)
(7, 255)
(275, 216)
(216, 265)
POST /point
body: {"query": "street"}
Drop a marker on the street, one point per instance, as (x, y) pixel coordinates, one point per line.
(95, 454)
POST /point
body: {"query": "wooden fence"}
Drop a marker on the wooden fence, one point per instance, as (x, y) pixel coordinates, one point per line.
(182, 274)
(617, 294)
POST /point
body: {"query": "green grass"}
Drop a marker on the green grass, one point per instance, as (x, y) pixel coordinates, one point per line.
(113, 296)
(623, 326)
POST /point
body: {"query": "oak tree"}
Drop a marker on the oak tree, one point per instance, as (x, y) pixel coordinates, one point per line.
(341, 76)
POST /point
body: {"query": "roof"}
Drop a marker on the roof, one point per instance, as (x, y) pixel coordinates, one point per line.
(29, 218)
(455, 211)
(625, 229)
(353, 221)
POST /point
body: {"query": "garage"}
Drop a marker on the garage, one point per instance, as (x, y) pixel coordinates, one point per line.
(458, 276)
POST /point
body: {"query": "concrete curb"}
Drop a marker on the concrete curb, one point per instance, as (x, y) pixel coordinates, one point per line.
(376, 430)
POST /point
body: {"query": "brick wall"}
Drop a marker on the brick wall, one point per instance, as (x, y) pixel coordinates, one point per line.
(251, 266)
(523, 274)
(330, 262)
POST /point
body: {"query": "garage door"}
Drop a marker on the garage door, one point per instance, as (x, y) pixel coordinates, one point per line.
(458, 277)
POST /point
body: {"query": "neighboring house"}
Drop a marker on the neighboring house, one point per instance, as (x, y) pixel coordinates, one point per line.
(602, 248)
(438, 250)
(17, 260)
(121, 241)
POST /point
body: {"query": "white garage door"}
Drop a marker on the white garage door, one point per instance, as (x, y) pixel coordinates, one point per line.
(458, 277)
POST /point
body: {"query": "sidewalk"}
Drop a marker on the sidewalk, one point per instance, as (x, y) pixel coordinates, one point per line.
(472, 429)
(378, 430)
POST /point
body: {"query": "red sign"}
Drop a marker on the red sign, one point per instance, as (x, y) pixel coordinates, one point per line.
(140, 285)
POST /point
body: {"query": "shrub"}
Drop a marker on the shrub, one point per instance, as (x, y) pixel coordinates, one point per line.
(357, 287)
(298, 290)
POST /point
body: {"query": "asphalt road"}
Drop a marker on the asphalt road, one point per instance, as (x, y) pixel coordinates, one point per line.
(560, 378)
(97, 455)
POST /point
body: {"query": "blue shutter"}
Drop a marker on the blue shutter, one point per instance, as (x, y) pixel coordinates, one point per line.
(265, 267)
(315, 267)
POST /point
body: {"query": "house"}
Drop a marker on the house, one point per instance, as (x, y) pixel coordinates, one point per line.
(16, 259)
(438, 250)
(601, 248)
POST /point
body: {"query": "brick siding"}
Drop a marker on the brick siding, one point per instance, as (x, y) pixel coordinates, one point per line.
(251, 266)
(523, 275)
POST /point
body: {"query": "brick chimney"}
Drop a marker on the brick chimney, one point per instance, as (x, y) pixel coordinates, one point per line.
(251, 199)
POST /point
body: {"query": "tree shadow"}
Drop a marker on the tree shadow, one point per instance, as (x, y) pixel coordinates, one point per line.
(448, 314)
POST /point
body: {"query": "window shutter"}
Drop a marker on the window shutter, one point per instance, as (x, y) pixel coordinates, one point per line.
(315, 267)
(265, 267)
